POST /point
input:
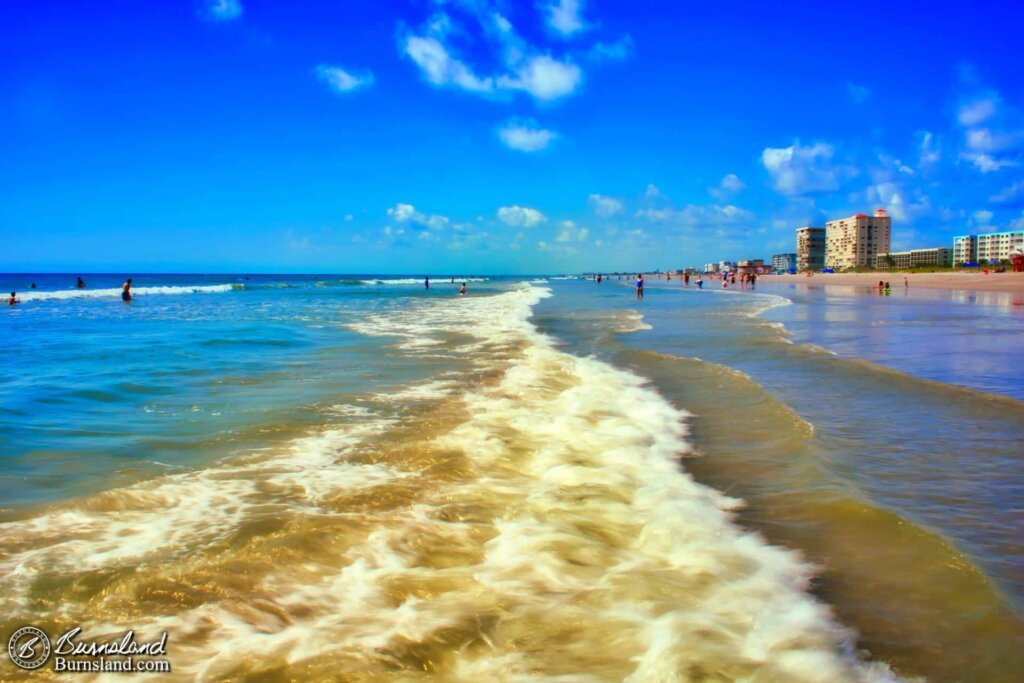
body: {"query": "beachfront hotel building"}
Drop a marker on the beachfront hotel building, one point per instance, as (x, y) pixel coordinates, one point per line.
(965, 249)
(785, 262)
(997, 246)
(810, 248)
(855, 241)
(915, 258)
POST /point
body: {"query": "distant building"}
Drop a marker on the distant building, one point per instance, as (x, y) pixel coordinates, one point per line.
(965, 249)
(784, 262)
(915, 258)
(996, 246)
(750, 266)
(710, 267)
(810, 248)
(726, 266)
(855, 241)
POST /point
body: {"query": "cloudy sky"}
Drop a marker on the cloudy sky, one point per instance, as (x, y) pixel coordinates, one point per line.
(495, 136)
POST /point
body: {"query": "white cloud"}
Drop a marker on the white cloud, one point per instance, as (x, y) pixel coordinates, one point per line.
(223, 10)
(405, 212)
(982, 217)
(930, 151)
(901, 204)
(564, 16)
(858, 93)
(525, 136)
(987, 141)
(521, 216)
(977, 111)
(604, 206)
(342, 81)
(1010, 195)
(544, 78)
(728, 186)
(1018, 223)
(440, 68)
(349, 217)
(697, 216)
(437, 222)
(652, 192)
(799, 169)
(615, 52)
(986, 163)
(570, 232)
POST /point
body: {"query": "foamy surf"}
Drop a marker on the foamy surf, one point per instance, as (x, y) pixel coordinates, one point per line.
(115, 292)
(534, 527)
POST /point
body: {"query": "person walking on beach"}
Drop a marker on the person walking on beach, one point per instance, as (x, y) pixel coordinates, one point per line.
(906, 282)
(639, 286)
(462, 289)
(14, 299)
(126, 290)
(426, 282)
(888, 290)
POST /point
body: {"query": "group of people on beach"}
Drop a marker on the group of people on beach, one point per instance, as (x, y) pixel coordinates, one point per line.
(126, 291)
(727, 280)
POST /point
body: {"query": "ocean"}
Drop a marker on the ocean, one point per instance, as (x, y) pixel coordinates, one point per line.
(350, 477)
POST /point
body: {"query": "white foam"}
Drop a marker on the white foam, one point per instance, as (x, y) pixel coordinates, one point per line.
(115, 292)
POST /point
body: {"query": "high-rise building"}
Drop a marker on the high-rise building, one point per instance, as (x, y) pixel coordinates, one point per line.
(856, 241)
(996, 246)
(965, 249)
(810, 248)
(784, 262)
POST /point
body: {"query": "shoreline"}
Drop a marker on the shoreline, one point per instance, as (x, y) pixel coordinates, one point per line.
(993, 282)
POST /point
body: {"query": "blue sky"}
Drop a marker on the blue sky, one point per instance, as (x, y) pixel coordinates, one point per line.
(495, 137)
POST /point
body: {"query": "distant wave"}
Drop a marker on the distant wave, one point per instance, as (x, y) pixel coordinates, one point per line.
(116, 292)
(417, 281)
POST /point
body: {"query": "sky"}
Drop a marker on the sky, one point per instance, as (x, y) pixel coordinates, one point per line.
(488, 136)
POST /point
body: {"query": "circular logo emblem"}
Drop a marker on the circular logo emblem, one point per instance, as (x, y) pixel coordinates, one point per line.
(29, 647)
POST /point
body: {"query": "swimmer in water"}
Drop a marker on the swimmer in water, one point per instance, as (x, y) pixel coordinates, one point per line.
(126, 290)
(462, 289)
(80, 284)
(426, 282)
(14, 299)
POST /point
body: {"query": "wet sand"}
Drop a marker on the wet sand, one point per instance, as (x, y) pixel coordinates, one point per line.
(993, 282)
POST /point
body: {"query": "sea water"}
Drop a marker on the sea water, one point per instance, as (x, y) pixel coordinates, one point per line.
(313, 476)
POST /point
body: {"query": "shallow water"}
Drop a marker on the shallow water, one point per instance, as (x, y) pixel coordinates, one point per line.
(307, 478)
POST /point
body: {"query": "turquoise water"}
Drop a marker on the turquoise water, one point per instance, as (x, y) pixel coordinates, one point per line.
(879, 436)
(193, 369)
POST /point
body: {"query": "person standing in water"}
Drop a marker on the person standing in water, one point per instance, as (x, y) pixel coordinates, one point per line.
(14, 299)
(426, 282)
(639, 286)
(462, 289)
(700, 283)
(126, 290)
(599, 278)
(80, 284)
(686, 279)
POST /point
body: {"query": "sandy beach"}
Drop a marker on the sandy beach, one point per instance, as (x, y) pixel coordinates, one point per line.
(993, 282)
